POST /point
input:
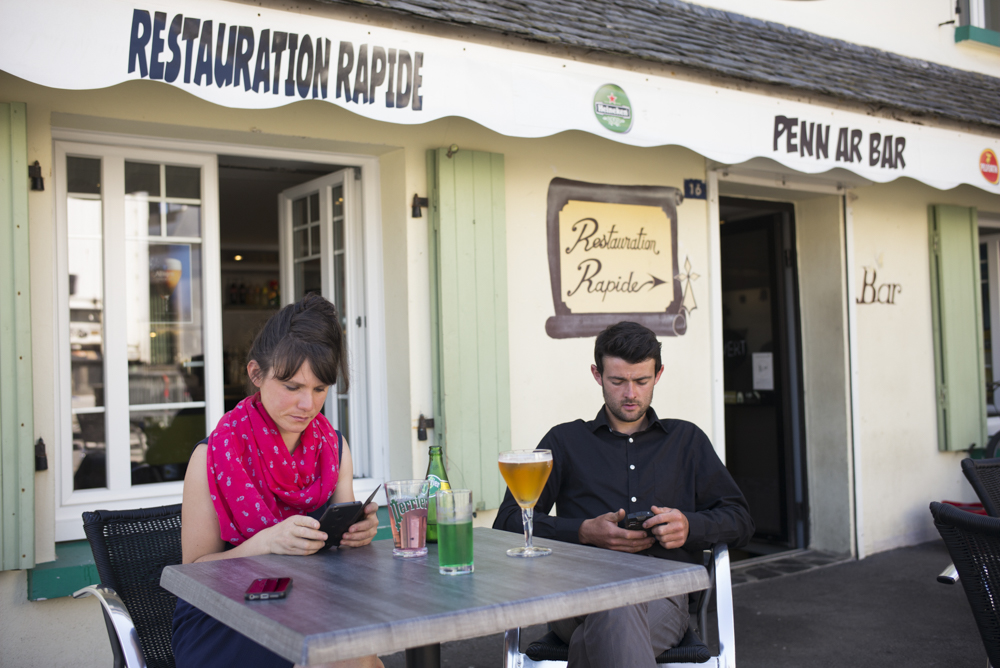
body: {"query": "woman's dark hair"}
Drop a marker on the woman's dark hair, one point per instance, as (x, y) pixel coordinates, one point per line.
(629, 341)
(306, 330)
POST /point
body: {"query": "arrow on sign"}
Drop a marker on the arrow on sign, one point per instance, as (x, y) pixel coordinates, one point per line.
(652, 284)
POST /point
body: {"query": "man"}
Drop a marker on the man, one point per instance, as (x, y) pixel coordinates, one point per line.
(624, 461)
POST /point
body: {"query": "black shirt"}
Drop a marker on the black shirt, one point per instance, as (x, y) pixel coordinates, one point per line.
(671, 463)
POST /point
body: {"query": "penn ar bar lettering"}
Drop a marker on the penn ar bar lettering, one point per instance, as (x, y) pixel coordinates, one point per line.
(810, 138)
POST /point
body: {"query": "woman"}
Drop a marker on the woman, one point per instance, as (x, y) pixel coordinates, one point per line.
(268, 463)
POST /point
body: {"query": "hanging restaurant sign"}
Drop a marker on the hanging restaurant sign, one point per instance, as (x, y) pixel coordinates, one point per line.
(246, 56)
(613, 257)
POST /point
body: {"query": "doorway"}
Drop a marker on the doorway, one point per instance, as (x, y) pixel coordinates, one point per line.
(287, 228)
(762, 369)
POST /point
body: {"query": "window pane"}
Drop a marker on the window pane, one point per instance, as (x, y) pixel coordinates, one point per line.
(313, 207)
(86, 358)
(142, 217)
(183, 220)
(345, 425)
(142, 177)
(314, 248)
(299, 212)
(992, 14)
(307, 278)
(183, 182)
(155, 222)
(86, 303)
(164, 314)
(84, 217)
(300, 243)
(987, 328)
(338, 218)
(338, 201)
(90, 464)
(162, 442)
(339, 299)
(83, 175)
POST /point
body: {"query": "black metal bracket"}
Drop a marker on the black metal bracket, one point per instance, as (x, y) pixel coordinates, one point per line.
(35, 174)
(41, 461)
(423, 424)
(418, 203)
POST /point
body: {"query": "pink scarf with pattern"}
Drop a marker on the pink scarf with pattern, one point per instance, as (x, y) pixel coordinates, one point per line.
(253, 479)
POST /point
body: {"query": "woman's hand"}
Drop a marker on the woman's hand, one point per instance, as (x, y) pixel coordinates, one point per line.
(361, 533)
(298, 534)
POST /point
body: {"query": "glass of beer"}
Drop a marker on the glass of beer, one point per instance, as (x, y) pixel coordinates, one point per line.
(525, 472)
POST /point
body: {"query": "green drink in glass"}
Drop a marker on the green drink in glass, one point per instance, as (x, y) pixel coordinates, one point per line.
(454, 516)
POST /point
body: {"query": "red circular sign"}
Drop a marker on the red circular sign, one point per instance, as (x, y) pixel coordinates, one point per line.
(988, 166)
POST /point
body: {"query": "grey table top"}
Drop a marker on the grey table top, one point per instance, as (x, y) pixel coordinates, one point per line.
(353, 602)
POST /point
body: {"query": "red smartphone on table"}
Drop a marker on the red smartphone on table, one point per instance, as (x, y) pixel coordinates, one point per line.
(339, 517)
(264, 589)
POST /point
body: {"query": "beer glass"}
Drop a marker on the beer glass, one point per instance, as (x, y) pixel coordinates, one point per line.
(525, 472)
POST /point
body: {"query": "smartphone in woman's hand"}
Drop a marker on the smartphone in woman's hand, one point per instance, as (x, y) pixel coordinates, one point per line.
(339, 517)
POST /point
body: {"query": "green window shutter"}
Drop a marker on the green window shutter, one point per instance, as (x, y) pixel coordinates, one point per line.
(470, 359)
(17, 462)
(958, 328)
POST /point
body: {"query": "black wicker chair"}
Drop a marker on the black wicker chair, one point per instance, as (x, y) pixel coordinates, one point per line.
(974, 544)
(550, 651)
(984, 476)
(130, 548)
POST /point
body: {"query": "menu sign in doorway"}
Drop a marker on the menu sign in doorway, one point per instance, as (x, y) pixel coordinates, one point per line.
(612, 257)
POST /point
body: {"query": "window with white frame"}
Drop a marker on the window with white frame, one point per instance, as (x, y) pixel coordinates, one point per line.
(979, 13)
(989, 269)
(141, 325)
(132, 311)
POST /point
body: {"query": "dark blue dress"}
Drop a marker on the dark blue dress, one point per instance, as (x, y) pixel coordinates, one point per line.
(200, 640)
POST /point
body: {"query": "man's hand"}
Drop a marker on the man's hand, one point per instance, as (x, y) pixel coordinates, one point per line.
(670, 527)
(603, 531)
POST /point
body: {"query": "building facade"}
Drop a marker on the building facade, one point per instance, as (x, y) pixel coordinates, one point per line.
(805, 209)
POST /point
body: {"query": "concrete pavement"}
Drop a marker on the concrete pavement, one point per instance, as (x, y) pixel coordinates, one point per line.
(886, 610)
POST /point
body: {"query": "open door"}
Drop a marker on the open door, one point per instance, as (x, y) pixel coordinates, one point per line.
(764, 434)
(320, 247)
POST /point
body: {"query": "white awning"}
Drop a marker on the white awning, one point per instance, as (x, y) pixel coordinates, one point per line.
(242, 56)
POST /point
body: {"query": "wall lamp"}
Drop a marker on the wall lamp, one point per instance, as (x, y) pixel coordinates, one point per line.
(35, 174)
(418, 203)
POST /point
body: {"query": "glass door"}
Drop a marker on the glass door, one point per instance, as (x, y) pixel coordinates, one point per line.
(320, 250)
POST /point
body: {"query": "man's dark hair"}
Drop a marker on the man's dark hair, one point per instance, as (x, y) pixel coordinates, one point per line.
(629, 341)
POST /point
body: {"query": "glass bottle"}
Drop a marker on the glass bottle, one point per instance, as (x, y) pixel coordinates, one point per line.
(438, 479)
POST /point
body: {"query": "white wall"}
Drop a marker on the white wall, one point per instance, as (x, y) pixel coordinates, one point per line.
(902, 469)
(907, 27)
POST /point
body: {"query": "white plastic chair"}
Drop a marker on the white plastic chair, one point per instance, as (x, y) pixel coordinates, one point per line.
(722, 585)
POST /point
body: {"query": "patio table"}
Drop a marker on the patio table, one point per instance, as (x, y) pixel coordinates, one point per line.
(348, 603)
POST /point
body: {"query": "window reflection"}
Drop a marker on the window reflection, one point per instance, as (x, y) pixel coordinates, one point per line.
(307, 278)
(85, 259)
(162, 441)
(163, 295)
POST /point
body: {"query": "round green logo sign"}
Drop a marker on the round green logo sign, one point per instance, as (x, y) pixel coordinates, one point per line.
(612, 108)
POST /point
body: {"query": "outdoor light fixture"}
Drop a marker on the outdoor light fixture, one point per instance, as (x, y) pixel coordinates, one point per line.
(35, 174)
(237, 257)
(418, 203)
